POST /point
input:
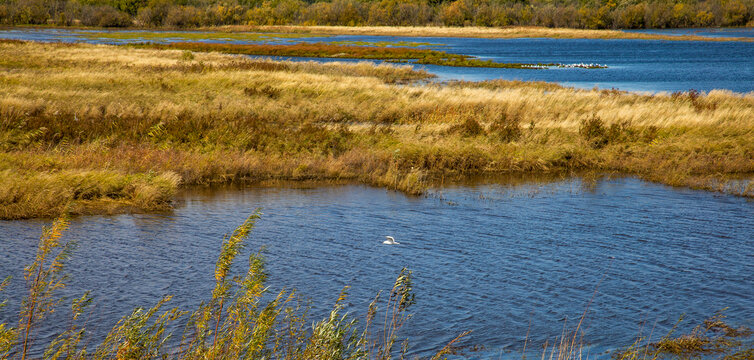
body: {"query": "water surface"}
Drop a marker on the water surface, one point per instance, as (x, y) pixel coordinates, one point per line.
(746, 32)
(633, 65)
(500, 260)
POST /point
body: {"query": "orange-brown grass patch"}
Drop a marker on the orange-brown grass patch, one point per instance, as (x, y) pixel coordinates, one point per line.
(320, 50)
(132, 116)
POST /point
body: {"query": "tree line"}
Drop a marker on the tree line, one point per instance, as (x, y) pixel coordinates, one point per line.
(583, 14)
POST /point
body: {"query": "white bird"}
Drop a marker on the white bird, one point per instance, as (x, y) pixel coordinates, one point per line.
(390, 241)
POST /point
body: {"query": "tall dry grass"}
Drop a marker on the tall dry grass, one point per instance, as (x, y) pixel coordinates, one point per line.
(466, 32)
(240, 318)
(106, 128)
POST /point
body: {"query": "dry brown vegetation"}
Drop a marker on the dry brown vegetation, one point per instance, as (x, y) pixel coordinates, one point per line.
(325, 50)
(508, 32)
(104, 129)
(300, 50)
(714, 338)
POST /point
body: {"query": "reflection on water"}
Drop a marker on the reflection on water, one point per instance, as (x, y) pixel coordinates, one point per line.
(490, 258)
(747, 32)
(633, 65)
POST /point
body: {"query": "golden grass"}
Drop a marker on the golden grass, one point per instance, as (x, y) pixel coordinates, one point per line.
(467, 32)
(240, 318)
(99, 128)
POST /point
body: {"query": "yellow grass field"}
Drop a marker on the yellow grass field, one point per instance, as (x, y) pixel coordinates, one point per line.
(103, 129)
(469, 32)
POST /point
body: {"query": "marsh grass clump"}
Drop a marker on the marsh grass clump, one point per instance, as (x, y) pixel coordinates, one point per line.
(241, 318)
(713, 337)
(187, 56)
(7, 334)
(697, 100)
(469, 127)
(506, 127)
(593, 130)
(597, 134)
(265, 90)
(456, 60)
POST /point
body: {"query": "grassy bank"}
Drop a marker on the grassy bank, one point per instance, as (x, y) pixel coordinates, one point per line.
(272, 32)
(508, 32)
(324, 50)
(96, 129)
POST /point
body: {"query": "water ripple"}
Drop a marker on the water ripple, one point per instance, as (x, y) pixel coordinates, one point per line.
(499, 267)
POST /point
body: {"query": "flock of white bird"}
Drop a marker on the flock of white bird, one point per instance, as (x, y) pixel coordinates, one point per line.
(583, 66)
(568, 66)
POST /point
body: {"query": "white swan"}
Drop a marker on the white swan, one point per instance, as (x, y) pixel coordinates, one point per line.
(390, 241)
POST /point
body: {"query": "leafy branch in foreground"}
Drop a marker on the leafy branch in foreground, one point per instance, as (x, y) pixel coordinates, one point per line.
(240, 320)
(43, 280)
(67, 344)
(7, 335)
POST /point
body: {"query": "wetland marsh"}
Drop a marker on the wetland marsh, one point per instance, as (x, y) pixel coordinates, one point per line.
(158, 150)
(632, 64)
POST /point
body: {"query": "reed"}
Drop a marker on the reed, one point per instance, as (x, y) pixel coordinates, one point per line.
(237, 320)
(105, 129)
(44, 276)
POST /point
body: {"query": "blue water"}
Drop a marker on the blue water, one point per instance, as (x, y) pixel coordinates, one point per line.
(499, 259)
(633, 65)
(710, 32)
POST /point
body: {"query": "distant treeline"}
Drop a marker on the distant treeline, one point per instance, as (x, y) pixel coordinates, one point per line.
(589, 14)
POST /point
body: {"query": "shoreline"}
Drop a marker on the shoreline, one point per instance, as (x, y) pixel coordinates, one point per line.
(432, 189)
(511, 32)
(514, 32)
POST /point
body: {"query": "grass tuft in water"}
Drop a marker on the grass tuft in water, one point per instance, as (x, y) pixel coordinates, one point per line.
(713, 338)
